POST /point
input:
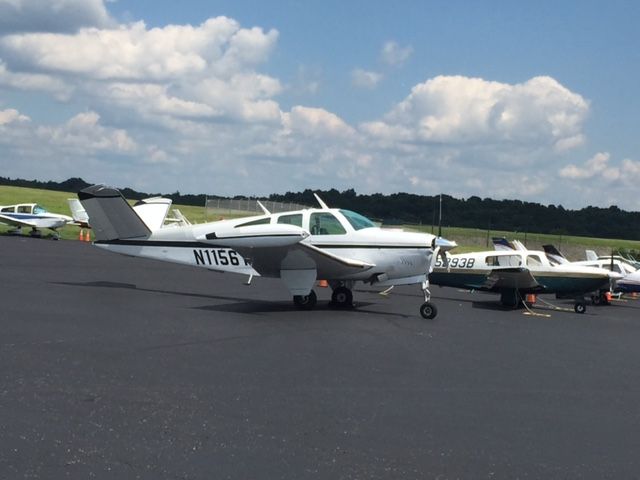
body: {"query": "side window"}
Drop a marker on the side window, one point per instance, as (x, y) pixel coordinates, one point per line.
(9, 209)
(295, 219)
(260, 221)
(325, 224)
(24, 209)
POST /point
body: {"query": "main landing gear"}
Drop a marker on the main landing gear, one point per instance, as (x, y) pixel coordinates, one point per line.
(428, 310)
(305, 302)
(342, 297)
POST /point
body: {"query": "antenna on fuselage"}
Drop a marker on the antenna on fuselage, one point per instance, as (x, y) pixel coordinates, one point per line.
(264, 209)
(322, 204)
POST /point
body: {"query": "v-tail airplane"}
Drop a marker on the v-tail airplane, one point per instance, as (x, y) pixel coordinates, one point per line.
(299, 247)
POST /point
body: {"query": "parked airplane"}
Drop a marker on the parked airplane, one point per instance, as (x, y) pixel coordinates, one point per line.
(34, 216)
(515, 273)
(298, 247)
(627, 275)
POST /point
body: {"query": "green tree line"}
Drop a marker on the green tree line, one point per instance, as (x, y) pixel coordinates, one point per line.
(398, 208)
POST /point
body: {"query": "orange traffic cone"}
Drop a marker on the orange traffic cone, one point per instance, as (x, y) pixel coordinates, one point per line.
(87, 236)
(81, 235)
(323, 283)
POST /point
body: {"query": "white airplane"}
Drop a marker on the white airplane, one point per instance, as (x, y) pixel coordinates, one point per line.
(627, 281)
(34, 216)
(299, 247)
(515, 273)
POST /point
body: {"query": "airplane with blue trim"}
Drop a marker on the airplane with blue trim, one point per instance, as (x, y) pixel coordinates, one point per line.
(34, 216)
(299, 247)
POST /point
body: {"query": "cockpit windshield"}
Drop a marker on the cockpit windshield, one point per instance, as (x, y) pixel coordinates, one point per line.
(357, 221)
(38, 210)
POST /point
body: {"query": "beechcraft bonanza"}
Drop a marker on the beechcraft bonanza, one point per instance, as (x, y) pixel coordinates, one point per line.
(299, 247)
(32, 215)
(515, 273)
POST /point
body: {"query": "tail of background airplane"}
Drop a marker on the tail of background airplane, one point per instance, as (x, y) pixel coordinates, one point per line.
(554, 254)
(591, 255)
(78, 213)
(153, 211)
(110, 215)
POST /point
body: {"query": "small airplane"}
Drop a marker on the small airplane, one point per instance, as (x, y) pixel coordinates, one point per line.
(515, 273)
(299, 247)
(34, 216)
(628, 276)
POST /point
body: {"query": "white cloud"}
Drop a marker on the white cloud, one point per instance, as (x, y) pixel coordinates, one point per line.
(11, 115)
(52, 15)
(84, 134)
(365, 79)
(35, 82)
(461, 110)
(316, 122)
(600, 167)
(395, 55)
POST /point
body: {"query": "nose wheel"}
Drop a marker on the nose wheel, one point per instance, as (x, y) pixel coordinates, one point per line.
(428, 310)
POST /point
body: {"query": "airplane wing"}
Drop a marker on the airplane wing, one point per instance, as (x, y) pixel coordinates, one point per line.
(500, 278)
(300, 256)
(279, 250)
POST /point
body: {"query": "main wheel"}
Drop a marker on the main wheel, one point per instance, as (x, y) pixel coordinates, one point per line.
(428, 310)
(305, 302)
(342, 297)
(580, 307)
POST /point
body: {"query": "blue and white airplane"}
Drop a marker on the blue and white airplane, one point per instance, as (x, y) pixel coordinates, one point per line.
(33, 216)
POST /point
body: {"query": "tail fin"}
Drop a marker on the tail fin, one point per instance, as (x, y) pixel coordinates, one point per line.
(78, 213)
(501, 243)
(153, 211)
(553, 254)
(591, 255)
(110, 215)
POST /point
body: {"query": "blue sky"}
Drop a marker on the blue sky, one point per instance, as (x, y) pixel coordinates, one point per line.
(495, 99)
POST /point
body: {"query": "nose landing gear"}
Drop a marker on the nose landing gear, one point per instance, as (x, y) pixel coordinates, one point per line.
(428, 310)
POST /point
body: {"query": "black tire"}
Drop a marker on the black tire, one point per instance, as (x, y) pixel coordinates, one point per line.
(428, 310)
(305, 302)
(342, 297)
(580, 307)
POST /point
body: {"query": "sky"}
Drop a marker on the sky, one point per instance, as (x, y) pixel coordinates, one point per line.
(535, 101)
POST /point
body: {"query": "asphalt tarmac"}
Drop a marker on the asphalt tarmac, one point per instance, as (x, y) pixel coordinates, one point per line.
(122, 368)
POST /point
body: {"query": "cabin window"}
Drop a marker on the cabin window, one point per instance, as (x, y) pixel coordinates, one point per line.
(503, 260)
(534, 261)
(38, 210)
(260, 221)
(24, 209)
(357, 221)
(325, 223)
(9, 209)
(295, 219)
